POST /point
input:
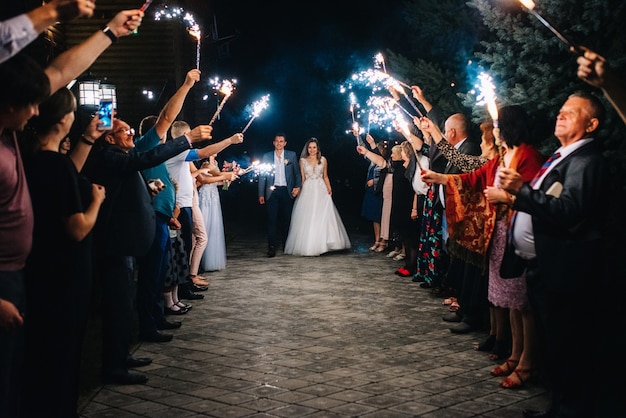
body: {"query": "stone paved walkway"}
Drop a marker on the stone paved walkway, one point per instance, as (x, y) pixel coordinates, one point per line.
(332, 336)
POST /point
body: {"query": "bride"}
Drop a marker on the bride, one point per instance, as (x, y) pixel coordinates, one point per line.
(316, 227)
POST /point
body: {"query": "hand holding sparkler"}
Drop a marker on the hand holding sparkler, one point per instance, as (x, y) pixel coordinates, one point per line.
(596, 71)
(243, 171)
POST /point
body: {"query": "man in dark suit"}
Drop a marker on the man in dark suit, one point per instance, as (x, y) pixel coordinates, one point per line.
(558, 229)
(124, 230)
(277, 190)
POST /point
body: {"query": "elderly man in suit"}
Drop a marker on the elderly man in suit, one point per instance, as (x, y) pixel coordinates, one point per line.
(278, 190)
(558, 230)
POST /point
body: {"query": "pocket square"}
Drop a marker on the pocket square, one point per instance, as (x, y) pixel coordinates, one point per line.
(555, 189)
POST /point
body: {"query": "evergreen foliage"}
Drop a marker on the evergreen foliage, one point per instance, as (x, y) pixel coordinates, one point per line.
(454, 40)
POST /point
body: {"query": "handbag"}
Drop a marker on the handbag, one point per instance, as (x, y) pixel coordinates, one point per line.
(512, 265)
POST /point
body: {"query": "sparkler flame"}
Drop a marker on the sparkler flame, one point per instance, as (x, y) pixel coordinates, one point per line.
(226, 87)
(529, 4)
(379, 60)
(257, 107)
(487, 96)
(179, 13)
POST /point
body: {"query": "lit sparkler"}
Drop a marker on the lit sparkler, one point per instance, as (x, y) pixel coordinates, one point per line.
(179, 13)
(530, 6)
(257, 107)
(487, 96)
(379, 61)
(226, 88)
(253, 166)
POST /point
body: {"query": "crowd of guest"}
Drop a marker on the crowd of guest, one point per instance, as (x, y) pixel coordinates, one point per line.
(107, 215)
(495, 232)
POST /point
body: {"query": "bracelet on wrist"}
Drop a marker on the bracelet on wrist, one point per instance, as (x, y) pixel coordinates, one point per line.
(86, 141)
(107, 31)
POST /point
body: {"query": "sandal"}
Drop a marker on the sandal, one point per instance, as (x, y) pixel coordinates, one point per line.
(522, 376)
(454, 306)
(505, 368)
(373, 247)
(449, 301)
(381, 247)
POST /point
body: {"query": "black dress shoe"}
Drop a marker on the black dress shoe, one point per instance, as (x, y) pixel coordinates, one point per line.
(125, 377)
(183, 305)
(169, 325)
(529, 413)
(179, 311)
(453, 317)
(137, 362)
(426, 285)
(271, 252)
(462, 328)
(157, 337)
(186, 293)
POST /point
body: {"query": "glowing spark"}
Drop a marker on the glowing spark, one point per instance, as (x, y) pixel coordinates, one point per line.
(379, 60)
(226, 88)
(487, 96)
(257, 107)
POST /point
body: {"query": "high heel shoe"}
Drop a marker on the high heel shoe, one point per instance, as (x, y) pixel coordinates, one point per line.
(373, 247)
(505, 368)
(522, 376)
(382, 246)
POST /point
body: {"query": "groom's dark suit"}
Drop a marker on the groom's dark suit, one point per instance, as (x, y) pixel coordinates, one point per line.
(279, 200)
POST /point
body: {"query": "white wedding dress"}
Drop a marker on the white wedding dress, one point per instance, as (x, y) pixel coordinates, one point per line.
(214, 257)
(316, 227)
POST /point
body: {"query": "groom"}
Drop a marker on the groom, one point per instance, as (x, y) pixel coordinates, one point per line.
(278, 190)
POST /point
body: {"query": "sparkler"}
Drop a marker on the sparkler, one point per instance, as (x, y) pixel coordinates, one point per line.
(488, 96)
(195, 32)
(379, 60)
(355, 124)
(530, 6)
(247, 170)
(179, 13)
(257, 107)
(145, 5)
(226, 88)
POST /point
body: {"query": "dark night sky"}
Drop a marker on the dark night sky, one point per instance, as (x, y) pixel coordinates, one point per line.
(299, 55)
